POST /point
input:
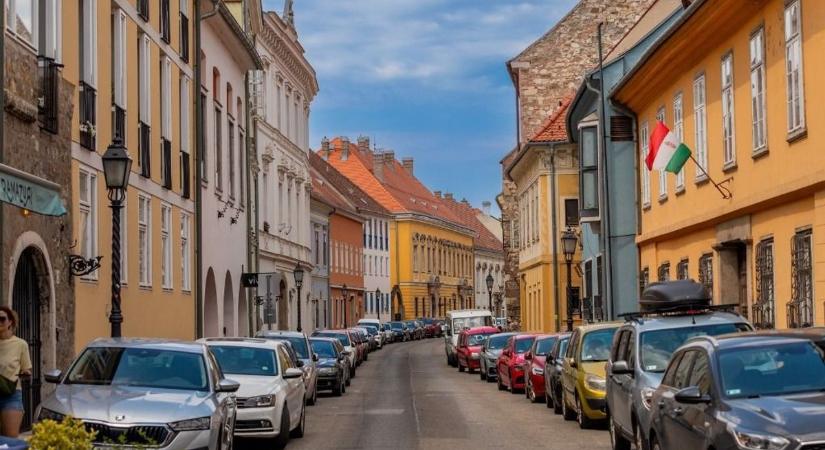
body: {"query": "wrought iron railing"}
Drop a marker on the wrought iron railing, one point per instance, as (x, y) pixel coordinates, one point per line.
(764, 315)
(800, 314)
(88, 116)
(145, 150)
(48, 104)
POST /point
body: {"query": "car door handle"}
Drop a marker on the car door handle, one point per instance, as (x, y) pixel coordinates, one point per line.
(661, 404)
(677, 411)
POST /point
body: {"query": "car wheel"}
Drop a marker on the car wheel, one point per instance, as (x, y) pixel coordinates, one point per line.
(314, 399)
(565, 410)
(339, 389)
(283, 435)
(351, 373)
(298, 432)
(557, 399)
(527, 389)
(654, 444)
(460, 367)
(617, 440)
(582, 419)
(500, 385)
(510, 383)
(548, 398)
(641, 442)
(482, 373)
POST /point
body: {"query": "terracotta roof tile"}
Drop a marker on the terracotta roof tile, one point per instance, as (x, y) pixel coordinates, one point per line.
(356, 197)
(554, 128)
(469, 217)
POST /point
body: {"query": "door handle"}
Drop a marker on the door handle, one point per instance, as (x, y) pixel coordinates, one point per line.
(677, 411)
(661, 404)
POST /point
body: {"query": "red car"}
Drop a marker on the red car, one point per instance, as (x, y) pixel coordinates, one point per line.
(510, 363)
(468, 349)
(534, 361)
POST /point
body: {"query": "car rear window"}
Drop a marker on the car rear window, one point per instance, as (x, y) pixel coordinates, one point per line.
(657, 346)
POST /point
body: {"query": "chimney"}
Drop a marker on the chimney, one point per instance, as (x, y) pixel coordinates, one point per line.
(485, 207)
(389, 157)
(465, 202)
(437, 193)
(408, 165)
(363, 144)
(344, 148)
(377, 166)
(448, 196)
(325, 148)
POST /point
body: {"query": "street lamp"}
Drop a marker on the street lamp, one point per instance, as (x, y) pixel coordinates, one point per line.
(298, 273)
(378, 299)
(116, 169)
(344, 293)
(489, 281)
(568, 242)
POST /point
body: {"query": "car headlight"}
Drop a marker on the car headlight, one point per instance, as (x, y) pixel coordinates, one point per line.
(474, 355)
(202, 423)
(261, 401)
(647, 396)
(537, 371)
(328, 371)
(48, 414)
(594, 382)
(757, 441)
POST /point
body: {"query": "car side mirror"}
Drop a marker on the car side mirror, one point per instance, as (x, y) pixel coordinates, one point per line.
(528, 356)
(315, 357)
(227, 386)
(620, 368)
(573, 363)
(299, 363)
(293, 373)
(53, 376)
(691, 396)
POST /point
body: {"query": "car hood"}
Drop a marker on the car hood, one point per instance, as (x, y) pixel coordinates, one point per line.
(494, 354)
(130, 404)
(252, 386)
(326, 362)
(593, 368)
(799, 415)
(474, 348)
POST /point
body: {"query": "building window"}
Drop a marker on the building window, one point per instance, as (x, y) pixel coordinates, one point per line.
(682, 270)
(218, 151)
(185, 170)
(706, 272)
(88, 216)
(793, 67)
(230, 149)
(660, 117)
(185, 259)
(571, 212)
(143, 9)
(145, 106)
(664, 272)
(764, 310)
(728, 133)
(184, 30)
(644, 280)
(164, 21)
(801, 306)
(679, 132)
(20, 19)
(145, 240)
(119, 27)
(590, 171)
(700, 128)
(758, 109)
(88, 72)
(644, 138)
(166, 246)
(166, 122)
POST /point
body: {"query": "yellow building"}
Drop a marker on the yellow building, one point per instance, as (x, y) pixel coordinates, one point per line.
(130, 63)
(737, 82)
(545, 172)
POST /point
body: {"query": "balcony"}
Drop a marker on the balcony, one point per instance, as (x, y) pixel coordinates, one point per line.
(166, 162)
(48, 104)
(145, 150)
(88, 116)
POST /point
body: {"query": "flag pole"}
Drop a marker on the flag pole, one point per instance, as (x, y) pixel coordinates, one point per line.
(726, 193)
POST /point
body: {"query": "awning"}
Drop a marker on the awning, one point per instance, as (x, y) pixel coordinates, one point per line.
(30, 192)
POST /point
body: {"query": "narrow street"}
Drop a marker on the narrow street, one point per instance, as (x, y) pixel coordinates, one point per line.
(406, 397)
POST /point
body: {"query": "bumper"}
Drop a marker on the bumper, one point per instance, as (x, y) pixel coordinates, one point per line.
(258, 422)
(537, 382)
(518, 380)
(473, 363)
(185, 440)
(492, 373)
(328, 382)
(594, 405)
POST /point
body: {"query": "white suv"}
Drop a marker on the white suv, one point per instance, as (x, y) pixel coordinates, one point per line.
(271, 399)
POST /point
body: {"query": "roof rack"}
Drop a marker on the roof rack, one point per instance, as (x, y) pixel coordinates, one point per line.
(677, 311)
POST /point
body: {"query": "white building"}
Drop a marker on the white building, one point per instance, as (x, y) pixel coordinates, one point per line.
(227, 56)
(282, 93)
(319, 237)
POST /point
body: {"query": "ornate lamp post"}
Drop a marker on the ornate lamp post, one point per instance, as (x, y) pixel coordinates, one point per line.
(298, 273)
(378, 299)
(569, 241)
(344, 293)
(117, 166)
(489, 280)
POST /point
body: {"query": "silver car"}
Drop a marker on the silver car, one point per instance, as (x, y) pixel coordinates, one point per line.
(489, 355)
(143, 392)
(307, 359)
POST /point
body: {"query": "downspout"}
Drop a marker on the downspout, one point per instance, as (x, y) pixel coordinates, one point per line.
(251, 219)
(328, 315)
(2, 124)
(555, 237)
(607, 295)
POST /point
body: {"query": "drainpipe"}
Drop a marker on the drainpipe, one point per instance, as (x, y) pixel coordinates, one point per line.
(607, 295)
(2, 123)
(329, 269)
(555, 239)
(251, 219)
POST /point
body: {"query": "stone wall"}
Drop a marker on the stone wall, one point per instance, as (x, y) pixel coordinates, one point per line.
(31, 149)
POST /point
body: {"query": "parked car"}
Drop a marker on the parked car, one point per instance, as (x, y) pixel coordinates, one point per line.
(372, 344)
(534, 366)
(429, 327)
(489, 355)
(510, 362)
(552, 373)
(362, 343)
(300, 344)
(389, 336)
(333, 365)
(741, 391)
(375, 331)
(583, 383)
(470, 342)
(672, 313)
(272, 398)
(416, 332)
(349, 347)
(126, 386)
(400, 331)
(458, 320)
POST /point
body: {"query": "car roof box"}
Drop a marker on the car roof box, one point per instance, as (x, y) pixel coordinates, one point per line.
(681, 295)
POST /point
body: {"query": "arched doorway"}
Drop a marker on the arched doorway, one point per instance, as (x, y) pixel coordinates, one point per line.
(210, 306)
(243, 313)
(30, 293)
(228, 307)
(283, 307)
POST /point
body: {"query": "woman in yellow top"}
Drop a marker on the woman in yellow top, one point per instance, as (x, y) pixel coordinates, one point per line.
(15, 363)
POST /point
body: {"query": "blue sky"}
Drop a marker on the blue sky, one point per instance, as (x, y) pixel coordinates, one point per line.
(425, 78)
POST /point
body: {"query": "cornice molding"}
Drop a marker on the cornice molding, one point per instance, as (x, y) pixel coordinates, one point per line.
(286, 53)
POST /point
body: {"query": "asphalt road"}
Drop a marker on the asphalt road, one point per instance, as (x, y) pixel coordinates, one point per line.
(406, 397)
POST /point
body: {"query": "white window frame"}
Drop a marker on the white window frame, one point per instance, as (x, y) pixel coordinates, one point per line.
(166, 245)
(700, 129)
(88, 68)
(759, 131)
(119, 27)
(794, 74)
(48, 42)
(728, 112)
(184, 114)
(166, 98)
(145, 79)
(644, 149)
(145, 245)
(11, 23)
(660, 116)
(679, 132)
(89, 207)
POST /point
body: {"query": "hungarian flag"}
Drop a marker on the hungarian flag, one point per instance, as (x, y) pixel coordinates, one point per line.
(666, 153)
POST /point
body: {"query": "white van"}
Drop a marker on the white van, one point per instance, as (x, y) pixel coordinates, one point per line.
(457, 321)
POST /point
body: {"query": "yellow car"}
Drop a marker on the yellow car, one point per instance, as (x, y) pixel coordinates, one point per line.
(583, 374)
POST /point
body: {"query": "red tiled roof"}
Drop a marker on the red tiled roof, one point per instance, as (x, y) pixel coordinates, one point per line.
(469, 217)
(323, 191)
(554, 128)
(356, 197)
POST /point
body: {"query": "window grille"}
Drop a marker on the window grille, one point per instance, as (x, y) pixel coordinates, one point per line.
(664, 272)
(800, 308)
(764, 311)
(682, 270)
(706, 272)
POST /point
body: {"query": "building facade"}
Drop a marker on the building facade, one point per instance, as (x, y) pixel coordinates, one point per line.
(751, 242)
(319, 235)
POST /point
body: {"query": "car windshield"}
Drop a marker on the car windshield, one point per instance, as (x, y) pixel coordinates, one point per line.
(772, 370)
(144, 367)
(497, 342)
(371, 329)
(657, 346)
(544, 345)
(237, 360)
(471, 322)
(343, 338)
(477, 339)
(299, 344)
(324, 349)
(522, 345)
(596, 345)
